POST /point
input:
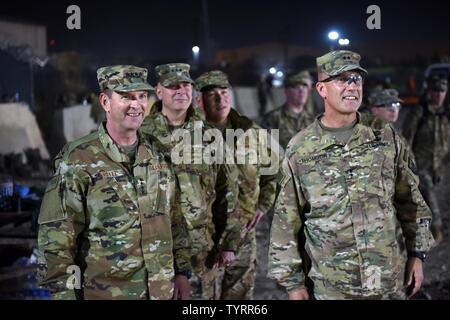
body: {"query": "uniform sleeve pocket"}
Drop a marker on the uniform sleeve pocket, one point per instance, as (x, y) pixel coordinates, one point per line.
(52, 208)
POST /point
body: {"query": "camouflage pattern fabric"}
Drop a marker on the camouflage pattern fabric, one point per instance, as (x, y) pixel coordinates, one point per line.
(428, 189)
(123, 78)
(427, 130)
(238, 278)
(116, 220)
(358, 208)
(336, 62)
(255, 191)
(173, 73)
(200, 188)
(287, 122)
(214, 78)
(384, 97)
(294, 79)
(377, 123)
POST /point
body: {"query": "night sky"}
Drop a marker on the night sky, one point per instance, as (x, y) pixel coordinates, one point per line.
(167, 29)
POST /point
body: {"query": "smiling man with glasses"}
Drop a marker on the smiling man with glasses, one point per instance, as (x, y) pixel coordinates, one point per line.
(349, 215)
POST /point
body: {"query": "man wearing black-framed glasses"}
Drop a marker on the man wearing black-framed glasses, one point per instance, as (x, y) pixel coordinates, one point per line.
(351, 193)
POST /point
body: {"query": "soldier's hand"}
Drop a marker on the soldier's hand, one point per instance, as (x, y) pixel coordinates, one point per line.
(299, 294)
(181, 288)
(252, 224)
(225, 258)
(413, 276)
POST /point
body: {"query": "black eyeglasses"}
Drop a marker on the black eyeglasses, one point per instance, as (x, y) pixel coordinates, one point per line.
(346, 79)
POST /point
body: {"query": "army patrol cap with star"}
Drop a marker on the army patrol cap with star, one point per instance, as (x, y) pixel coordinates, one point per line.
(172, 74)
(294, 79)
(339, 61)
(212, 79)
(123, 78)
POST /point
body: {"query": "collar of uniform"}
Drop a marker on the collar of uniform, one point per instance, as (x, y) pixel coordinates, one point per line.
(143, 154)
(156, 125)
(321, 137)
(113, 150)
(238, 121)
(192, 114)
(435, 110)
(285, 109)
(156, 120)
(361, 134)
(156, 107)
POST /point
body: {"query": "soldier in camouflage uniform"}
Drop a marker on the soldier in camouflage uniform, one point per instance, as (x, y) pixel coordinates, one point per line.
(385, 104)
(256, 191)
(298, 111)
(427, 129)
(199, 181)
(350, 192)
(109, 210)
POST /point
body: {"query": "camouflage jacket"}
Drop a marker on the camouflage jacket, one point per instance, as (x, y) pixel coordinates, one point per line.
(358, 209)
(114, 219)
(198, 182)
(428, 133)
(288, 122)
(256, 190)
(377, 123)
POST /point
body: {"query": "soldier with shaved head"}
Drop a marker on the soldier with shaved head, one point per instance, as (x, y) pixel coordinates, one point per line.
(348, 205)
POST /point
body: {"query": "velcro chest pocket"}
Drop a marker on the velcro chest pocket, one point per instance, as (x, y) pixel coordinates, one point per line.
(379, 168)
(52, 207)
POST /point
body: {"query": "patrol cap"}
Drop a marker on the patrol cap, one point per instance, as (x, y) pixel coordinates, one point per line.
(302, 77)
(123, 78)
(339, 61)
(384, 97)
(214, 78)
(173, 73)
(437, 83)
